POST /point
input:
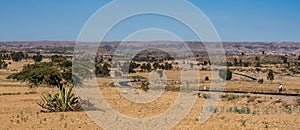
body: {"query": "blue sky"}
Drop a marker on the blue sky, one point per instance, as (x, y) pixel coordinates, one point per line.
(235, 20)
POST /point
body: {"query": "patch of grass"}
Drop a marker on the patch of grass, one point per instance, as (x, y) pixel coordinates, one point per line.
(37, 114)
(259, 101)
(266, 124)
(173, 88)
(252, 99)
(245, 96)
(204, 95)
(243, 122)
(230, 97)
(242, 110)
(27, 93)
(277, 101)
(62, 117)
(137, 77)
(20, 117)
(18, 93)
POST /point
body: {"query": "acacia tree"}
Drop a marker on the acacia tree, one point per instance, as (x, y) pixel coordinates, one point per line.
(17, 56)
(57, 58)
(37, 58)
(58, 74)
(270, 75)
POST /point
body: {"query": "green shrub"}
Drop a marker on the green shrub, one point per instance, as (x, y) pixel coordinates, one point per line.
(245, 96)
(204, 95)
(261, 81)
(243, 110)
(206, 78)
(37, 58)
(63, 101)
(270, 75)
(145, 86)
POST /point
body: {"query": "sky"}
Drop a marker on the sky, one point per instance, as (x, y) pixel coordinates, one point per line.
(234, 20)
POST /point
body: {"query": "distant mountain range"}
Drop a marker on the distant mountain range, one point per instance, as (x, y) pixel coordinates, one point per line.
(283, 48)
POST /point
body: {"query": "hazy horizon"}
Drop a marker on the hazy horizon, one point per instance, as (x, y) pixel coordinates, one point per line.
(156, 41)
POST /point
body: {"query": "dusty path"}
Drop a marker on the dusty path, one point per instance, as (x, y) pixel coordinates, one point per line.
(257, 93)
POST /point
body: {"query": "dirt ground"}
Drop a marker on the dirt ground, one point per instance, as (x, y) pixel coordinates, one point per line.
(19, 109)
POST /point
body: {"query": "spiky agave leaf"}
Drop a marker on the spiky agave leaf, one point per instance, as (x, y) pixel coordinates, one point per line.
(64, 100)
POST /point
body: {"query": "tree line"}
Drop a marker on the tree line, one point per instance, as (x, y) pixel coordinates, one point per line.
(19, 56)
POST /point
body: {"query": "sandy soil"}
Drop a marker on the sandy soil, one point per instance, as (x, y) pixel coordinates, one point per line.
(18, 109)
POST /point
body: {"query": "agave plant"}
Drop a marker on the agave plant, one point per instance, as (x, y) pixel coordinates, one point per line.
(63, 101)
(57, 73)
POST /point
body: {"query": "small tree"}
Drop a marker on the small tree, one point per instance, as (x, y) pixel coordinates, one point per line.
(257, 64)
(206, 78)
(168, 66)
(205, 63)
(240, 62)
(37, 58)
(133, 66)
(284, 59)
(148, 67)
(143, 67)
(261, 81)
(270, 75)
(225, 74)
(155, 65)
(235, 62)
(246, 64)
(57, 58)
(17, 56)
(102, 70)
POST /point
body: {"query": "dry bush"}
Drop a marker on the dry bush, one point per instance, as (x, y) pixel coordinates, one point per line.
(252, 99)
(297, 101)
(230, 97)
(285, 105)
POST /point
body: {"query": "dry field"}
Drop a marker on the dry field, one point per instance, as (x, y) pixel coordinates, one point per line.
(18, 109)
